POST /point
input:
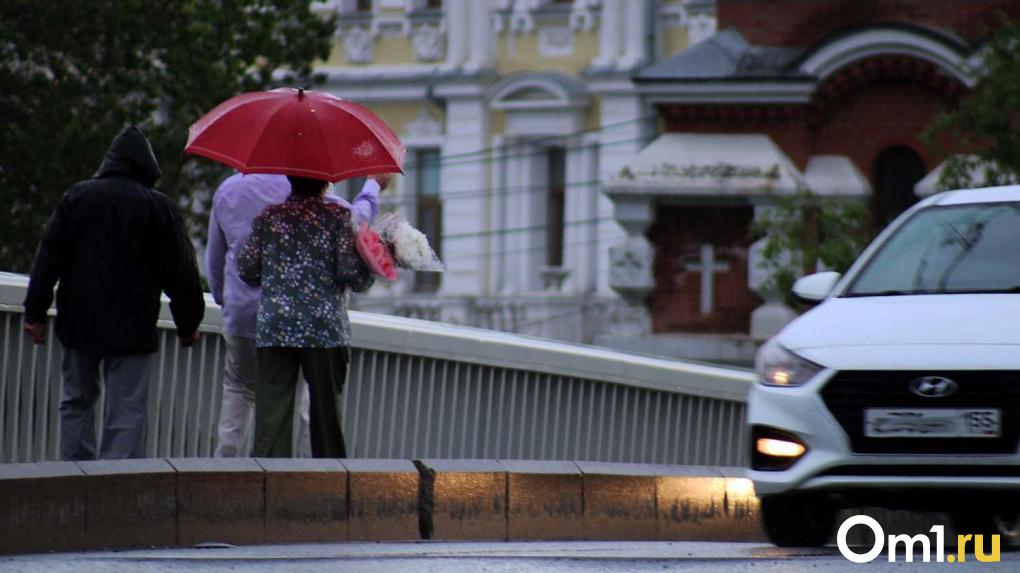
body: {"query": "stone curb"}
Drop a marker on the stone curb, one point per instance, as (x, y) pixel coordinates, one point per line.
(76, 506)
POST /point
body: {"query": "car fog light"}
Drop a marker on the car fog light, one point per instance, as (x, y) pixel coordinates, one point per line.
(775, 450)
(780, 448)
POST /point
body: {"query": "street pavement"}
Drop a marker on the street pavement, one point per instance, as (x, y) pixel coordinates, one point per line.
(515, 557)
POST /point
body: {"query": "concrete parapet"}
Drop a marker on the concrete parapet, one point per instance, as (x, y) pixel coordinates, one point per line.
(384, 498)
(464, 499)
(42, 507)
(306, 500)
(706, 504)
(619, 501)
(68, 506)
(545, 500)
(130, 503)
(219, 500)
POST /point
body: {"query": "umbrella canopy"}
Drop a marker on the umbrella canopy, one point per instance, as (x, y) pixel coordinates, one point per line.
(296, 132)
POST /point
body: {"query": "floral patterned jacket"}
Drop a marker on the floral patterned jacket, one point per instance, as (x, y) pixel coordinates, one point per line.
(302, 254)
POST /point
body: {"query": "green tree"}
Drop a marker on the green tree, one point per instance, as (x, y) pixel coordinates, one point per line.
(981, 137)
(804, 229)
(74, 73)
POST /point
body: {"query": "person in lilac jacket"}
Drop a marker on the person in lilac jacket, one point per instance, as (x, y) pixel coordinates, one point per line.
(236, 203)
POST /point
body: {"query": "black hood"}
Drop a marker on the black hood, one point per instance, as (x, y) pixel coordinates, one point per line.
(131, 154)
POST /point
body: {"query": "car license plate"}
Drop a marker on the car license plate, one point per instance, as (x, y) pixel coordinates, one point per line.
(932, 423)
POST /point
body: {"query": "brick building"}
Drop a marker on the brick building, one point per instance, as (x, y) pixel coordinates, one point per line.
(829, 95)
(512, 111)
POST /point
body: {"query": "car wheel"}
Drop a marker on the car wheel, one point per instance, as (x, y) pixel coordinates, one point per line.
(797, 520)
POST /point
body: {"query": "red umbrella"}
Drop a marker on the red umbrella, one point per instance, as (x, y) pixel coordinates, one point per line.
(296, 132)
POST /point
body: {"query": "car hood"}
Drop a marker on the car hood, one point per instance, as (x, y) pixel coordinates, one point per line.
(926, 331)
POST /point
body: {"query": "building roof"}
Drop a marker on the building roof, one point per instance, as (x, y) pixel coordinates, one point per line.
(726, 55)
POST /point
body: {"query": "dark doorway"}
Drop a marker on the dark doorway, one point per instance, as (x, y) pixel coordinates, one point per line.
(897, 170)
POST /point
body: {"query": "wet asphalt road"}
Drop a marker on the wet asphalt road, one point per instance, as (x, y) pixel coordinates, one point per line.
(445, 557)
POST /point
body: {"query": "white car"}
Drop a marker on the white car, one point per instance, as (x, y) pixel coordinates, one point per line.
(901, 388)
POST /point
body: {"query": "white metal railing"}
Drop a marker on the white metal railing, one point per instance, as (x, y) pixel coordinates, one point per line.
(419, 389)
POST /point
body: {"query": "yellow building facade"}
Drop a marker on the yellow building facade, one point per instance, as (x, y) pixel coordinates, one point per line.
(513, 112)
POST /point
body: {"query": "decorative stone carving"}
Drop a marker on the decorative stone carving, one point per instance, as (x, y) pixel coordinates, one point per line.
(582, 14)
(428, 43)
(424, 125)
(522, 21)
(630, 267)
(697, 16)
(553, 277)
(359, 45)
(556, 41)
(672, 16)
(700, 27)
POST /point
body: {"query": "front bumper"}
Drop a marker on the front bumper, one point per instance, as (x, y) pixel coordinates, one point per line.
(830, 465)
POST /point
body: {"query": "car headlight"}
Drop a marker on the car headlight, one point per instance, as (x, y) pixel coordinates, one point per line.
(777, 366)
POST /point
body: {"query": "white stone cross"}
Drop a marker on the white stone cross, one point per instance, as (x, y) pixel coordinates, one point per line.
(707, 267)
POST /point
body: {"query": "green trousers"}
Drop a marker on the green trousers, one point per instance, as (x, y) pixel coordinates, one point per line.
(325, 370)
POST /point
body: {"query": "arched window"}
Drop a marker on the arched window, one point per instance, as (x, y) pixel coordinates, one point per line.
(897, 170)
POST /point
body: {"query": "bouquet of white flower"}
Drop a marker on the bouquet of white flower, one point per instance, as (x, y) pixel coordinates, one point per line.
(409, 246)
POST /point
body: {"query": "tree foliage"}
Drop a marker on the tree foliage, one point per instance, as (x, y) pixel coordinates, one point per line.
(982, 136)
(805, 230)
(74, 73)
(981, 139)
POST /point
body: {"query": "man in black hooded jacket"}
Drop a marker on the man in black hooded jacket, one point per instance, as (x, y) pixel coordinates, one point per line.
(113, 243)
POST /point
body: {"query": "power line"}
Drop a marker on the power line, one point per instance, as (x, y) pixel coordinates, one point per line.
(539, 140)
(490, 192)
(541, 247)
(497, 191)
(511, 230)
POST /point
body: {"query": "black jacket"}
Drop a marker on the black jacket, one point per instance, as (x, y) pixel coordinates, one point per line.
(114, 243)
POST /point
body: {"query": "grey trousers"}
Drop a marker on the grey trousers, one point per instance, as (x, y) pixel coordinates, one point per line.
(240, 377)
(127, 396)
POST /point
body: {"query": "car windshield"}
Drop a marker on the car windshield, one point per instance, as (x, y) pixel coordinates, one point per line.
(948, 249)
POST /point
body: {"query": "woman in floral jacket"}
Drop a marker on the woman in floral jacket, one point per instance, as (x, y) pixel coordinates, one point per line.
(302, 254)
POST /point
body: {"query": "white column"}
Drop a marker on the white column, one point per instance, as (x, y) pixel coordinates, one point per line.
(465, 240)
(580, 232)
(456, 13)
(620, 140)
(635, 29)
(498, 209)
(482, 37)
(610, 24)
(515, 242)
(592, 192)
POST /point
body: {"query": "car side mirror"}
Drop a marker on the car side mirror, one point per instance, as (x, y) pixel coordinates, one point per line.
(813, 288)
